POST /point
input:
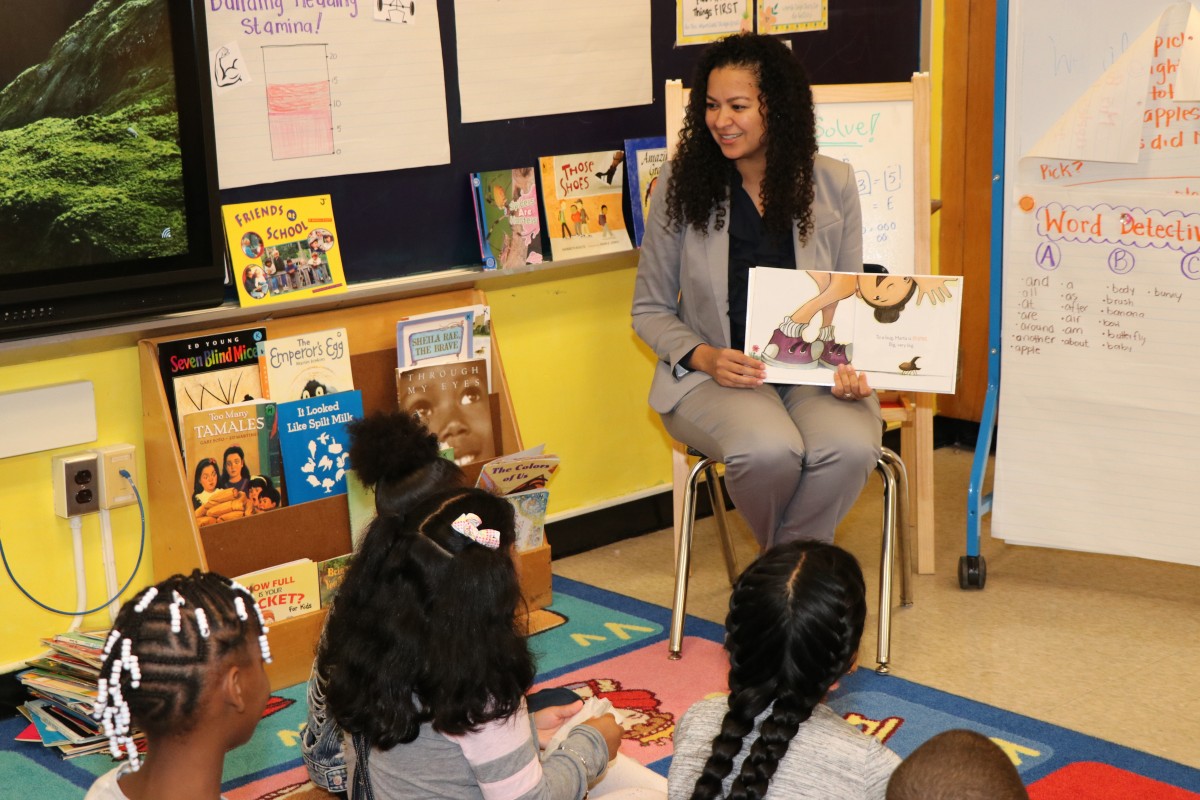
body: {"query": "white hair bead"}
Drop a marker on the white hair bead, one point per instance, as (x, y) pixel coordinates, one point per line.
(113, 636)
(146, 600)
(175, 627)
(239, 604)
(202, 623)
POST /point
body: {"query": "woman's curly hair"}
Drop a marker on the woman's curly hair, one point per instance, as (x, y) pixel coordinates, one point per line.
(700, 172)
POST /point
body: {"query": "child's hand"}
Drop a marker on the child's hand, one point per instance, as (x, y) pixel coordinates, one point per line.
(933, 288)
(549, 720)
(611, 730)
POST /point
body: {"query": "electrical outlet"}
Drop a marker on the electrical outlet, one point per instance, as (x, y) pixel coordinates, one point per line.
(75, 484)
(113, 489)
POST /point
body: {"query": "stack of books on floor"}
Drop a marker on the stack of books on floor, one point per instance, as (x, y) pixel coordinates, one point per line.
(62, 686)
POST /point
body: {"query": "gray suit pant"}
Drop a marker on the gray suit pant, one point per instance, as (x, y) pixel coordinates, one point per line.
(796, 457)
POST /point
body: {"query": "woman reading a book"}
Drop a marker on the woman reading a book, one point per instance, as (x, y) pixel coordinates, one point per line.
(746, 188)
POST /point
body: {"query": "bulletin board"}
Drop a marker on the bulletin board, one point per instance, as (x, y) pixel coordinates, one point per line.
(1098, 423)
(405, 222)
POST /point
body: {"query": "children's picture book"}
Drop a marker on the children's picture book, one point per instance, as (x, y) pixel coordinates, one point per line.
(518, 472)
(361, 501)
(583, 195)
(644, 159)
(284, 591)
(315, 445)
(330, 574)
(529, 509)
(901, 330)
(202, 372)
(416, 346)
(283, 249)
(306, 365)
(452, 401)
(506, 217)
(436, 338)
(233, 456)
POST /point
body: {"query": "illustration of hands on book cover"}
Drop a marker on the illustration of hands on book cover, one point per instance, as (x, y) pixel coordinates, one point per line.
(506, 217)
(283, 249)
(452, 401)
(583, 195)
(209, 371)
(306, 365)
(233, 456)
(315, 444)
(901, 330)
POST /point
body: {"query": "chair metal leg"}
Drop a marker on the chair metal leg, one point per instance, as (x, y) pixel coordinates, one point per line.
(683, 561)
(903, 543)
(887, 564)
(717, 498)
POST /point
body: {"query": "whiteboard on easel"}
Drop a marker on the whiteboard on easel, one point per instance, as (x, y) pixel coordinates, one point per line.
(882, 131)
(1098, 422)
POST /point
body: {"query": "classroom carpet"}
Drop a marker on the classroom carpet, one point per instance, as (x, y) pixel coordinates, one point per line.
(615, 647)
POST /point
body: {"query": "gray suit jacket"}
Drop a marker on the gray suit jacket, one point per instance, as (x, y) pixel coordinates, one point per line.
(681, 298)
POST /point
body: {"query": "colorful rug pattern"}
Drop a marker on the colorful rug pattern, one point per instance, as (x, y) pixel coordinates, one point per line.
(615, 647)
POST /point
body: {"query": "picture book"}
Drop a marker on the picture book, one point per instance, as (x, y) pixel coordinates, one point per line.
(453, 402)
(283, 249)
(315, 446)
(233, 457)
(202, 372)
(529, 517)
(518, 472)
(901, 330)
(330, 574)
(415, 347)
(361, 501)
(644, 159)
(583, 195)
(506, 217)
(436, 338)
(284, 591)
(306, 365)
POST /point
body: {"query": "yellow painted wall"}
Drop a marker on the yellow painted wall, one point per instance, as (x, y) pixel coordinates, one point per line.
(579, 377)
(38, 543)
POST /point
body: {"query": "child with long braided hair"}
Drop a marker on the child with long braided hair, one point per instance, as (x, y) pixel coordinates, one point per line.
(794, 624)
(184, 663)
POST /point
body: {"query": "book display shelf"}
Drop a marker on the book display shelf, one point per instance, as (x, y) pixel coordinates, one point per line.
(319, 529)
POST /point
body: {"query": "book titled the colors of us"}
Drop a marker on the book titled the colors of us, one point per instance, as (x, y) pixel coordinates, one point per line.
(644, 159)
(306, 365)
(583, 195)
(283, 249)
(315, 445)
(506, 217)
(286, 590)
(208, 371)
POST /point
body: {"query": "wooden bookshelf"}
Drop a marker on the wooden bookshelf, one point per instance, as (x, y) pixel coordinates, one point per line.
(319, 529)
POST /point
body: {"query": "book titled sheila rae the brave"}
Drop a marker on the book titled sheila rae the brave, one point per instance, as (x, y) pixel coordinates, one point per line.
(283, 249)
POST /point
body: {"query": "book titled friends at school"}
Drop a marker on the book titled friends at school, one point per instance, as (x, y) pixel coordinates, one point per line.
(280, 250)
(901, 330)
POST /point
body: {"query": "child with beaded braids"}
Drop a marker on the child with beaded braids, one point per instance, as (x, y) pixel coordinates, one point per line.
(184, 663)
(793, 628)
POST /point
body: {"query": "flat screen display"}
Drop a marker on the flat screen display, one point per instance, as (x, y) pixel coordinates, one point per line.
(107, 177)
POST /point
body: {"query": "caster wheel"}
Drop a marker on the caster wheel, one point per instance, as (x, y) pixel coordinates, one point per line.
(972, 572)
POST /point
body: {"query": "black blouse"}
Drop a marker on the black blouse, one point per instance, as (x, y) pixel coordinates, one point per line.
(750, 246)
